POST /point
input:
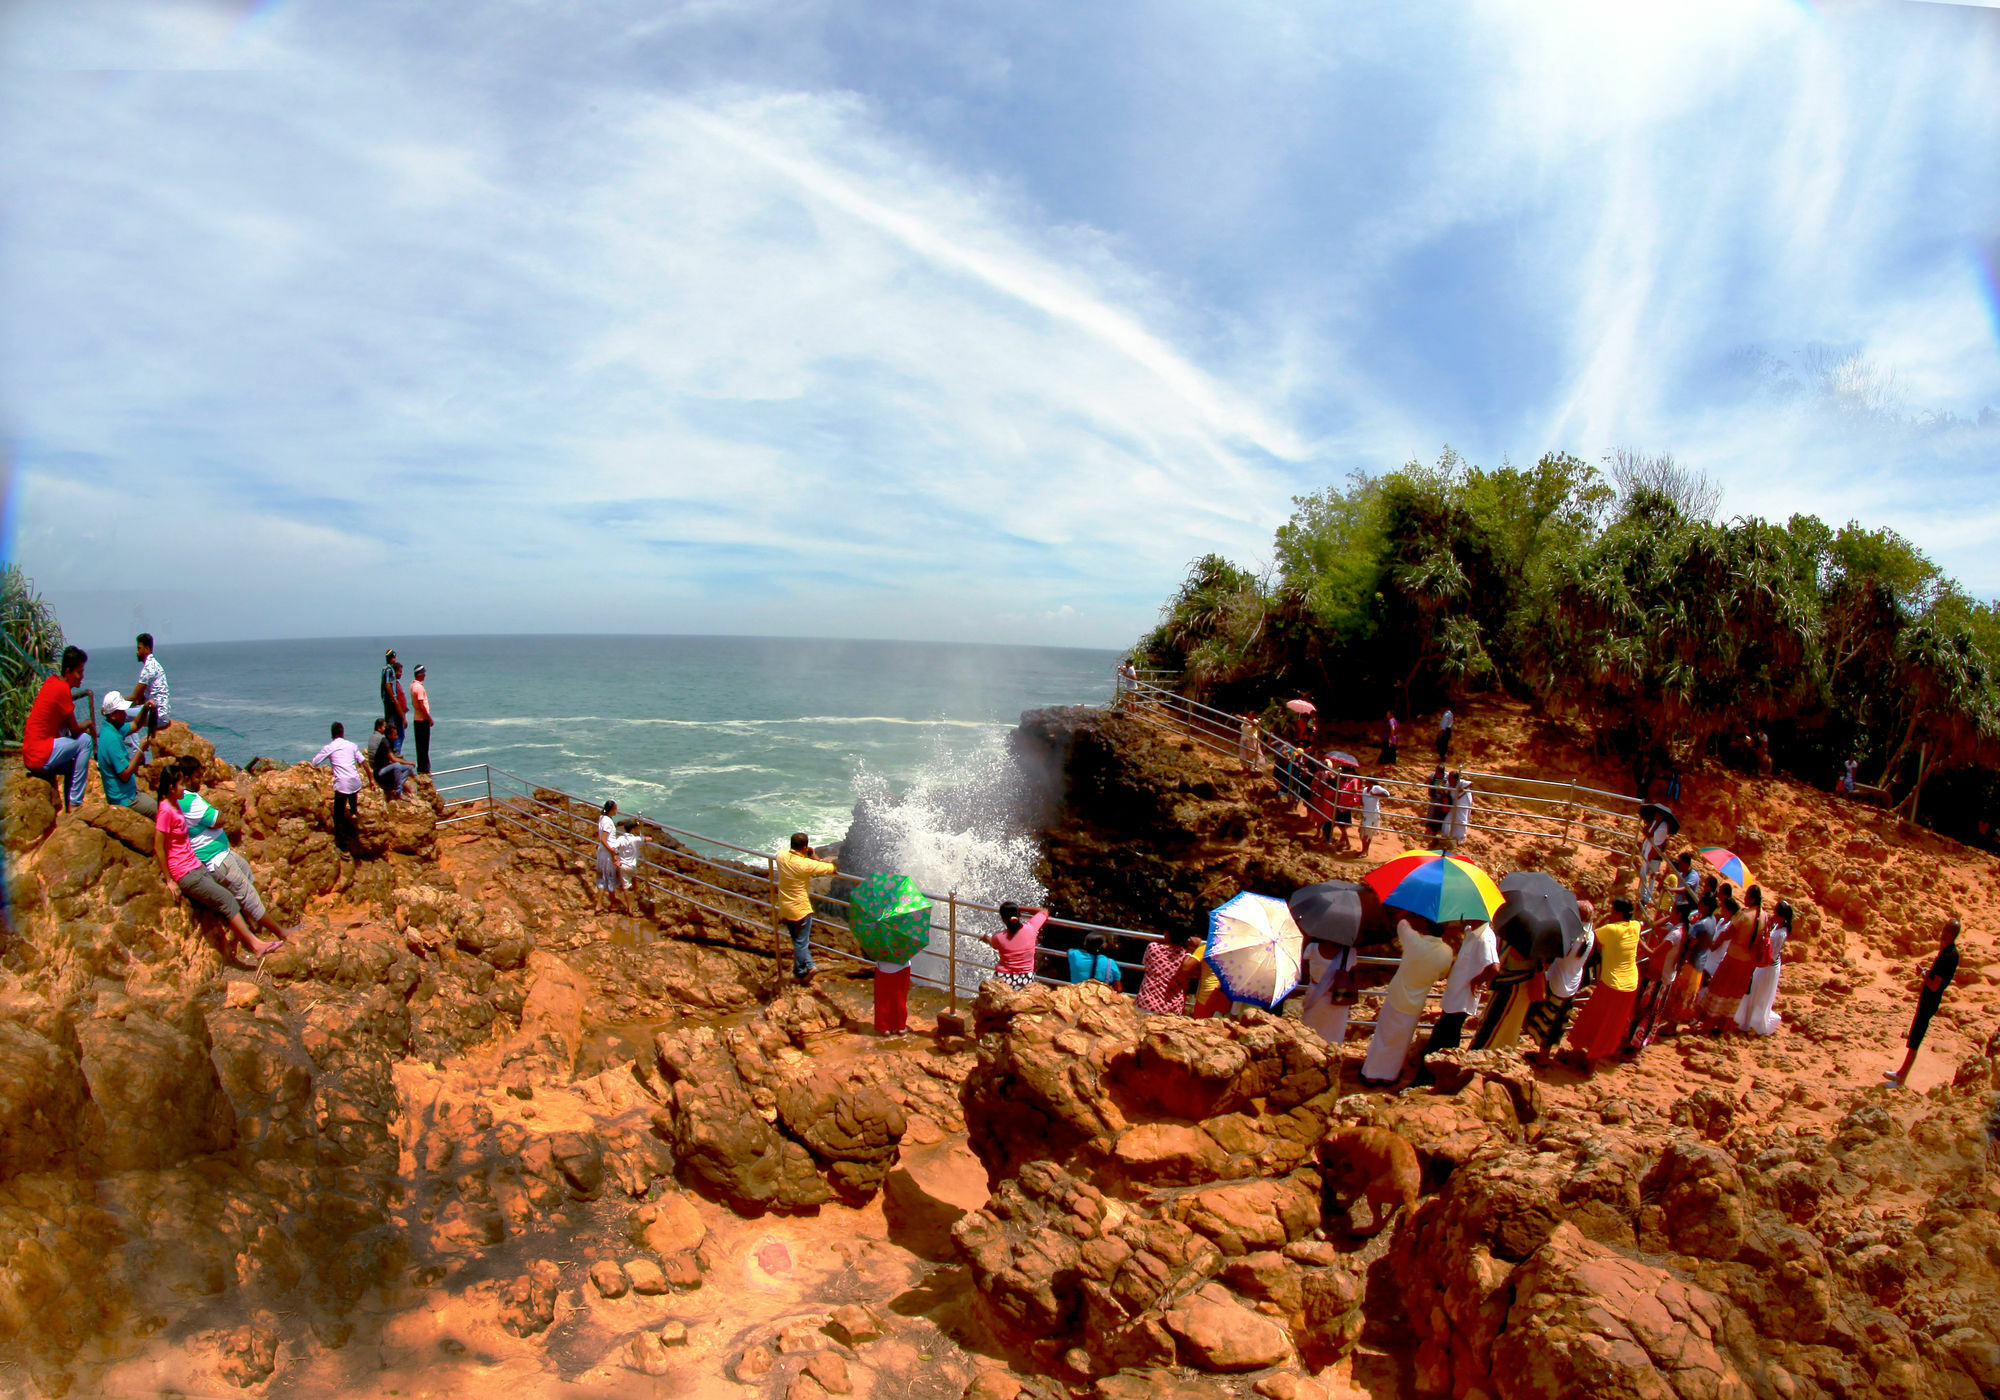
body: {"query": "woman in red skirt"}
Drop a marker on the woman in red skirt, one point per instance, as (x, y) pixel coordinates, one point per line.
(1724, 997)
(892, 998)
(1600, 1030)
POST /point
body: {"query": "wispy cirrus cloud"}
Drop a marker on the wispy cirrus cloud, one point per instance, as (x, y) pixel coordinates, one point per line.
(926, 322)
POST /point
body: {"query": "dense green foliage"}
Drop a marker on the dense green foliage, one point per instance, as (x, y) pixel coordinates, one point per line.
(1620, 598)
(30, 644)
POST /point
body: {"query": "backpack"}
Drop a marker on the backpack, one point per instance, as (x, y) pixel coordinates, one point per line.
(1761, 952)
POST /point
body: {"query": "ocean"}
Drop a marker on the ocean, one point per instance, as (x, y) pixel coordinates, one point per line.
(743, 738)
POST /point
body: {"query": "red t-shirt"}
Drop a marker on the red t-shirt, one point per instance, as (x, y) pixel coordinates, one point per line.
(52, 709)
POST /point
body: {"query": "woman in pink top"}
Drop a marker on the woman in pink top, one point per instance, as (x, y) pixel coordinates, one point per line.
(182, 867)
(1016, 944)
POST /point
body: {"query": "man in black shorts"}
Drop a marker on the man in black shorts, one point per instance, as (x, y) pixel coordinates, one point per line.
(1943, 968)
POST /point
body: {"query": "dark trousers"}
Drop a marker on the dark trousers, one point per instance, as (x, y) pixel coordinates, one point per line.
(423, 727)
(1448, 1033)
(801, 931)
(1444, 742)
(345, 807)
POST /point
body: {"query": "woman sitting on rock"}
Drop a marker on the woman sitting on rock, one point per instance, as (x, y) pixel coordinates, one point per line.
(182, 868)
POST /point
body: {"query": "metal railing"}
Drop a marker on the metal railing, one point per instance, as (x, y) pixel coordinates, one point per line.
(740, 885)
(1502, 804)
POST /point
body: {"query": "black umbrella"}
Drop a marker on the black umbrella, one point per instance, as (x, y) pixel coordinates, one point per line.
(1652, 814)
(1539, 918)
(1329, 913)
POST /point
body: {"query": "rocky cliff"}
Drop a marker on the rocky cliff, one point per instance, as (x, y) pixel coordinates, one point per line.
(465, 1131)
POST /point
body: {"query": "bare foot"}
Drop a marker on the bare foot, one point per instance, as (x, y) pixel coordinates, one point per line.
(265, 947)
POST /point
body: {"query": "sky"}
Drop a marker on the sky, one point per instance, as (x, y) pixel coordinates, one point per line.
(956, 321)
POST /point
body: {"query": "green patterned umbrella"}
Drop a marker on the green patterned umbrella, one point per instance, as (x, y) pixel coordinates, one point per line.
(890, 917)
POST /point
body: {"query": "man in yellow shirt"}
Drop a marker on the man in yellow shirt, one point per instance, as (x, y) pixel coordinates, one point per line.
(797, 868)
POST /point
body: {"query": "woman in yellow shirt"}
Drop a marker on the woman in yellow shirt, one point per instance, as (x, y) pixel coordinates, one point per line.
(1600, 1031)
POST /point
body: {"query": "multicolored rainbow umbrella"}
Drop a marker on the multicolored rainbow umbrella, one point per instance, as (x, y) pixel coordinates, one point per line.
(1439, 887)
(889, 917)
(1254, 949)
(1729, 866)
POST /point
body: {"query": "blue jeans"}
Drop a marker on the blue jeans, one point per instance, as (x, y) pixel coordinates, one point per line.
(397, 776)
(69, 758)
(802, 953)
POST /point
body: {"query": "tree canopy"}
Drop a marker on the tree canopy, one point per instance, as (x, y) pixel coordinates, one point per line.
(1615, 592)
(31, 643)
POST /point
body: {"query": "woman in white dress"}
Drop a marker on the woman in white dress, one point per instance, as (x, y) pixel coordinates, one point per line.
(1757, 1014)
(1460, 820)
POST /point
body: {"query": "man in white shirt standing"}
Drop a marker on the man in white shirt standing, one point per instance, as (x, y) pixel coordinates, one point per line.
(1478, 958)
(1445, 723)
(344, 756)
(1371, 813)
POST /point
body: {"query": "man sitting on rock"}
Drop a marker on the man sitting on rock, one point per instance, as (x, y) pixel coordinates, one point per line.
(53, 744)
(118, 763)
(391, 772)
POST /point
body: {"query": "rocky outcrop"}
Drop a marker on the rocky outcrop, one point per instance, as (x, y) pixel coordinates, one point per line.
(1149, 1186)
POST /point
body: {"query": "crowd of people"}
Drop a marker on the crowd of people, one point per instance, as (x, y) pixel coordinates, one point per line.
(1689, 955)
(192, 849)
(1699, 959)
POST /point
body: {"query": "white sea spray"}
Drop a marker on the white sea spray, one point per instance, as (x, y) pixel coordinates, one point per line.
(956, 828)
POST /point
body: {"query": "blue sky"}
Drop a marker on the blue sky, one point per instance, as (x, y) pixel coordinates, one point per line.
(936, 320)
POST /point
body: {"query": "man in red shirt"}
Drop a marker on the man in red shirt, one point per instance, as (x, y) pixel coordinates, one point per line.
(53, 744)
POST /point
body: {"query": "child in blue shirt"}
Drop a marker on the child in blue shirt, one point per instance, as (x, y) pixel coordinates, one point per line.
(1089, 964)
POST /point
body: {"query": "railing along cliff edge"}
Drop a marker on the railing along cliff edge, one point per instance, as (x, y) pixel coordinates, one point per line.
(739, 884)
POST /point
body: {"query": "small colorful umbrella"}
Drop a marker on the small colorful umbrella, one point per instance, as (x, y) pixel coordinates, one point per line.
(890, 917)
(1302, 707)
(1254, 949)
(1342, 757)
(1441, 888)
(1729, 866)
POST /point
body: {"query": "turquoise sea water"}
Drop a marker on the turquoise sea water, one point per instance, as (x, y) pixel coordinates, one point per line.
(742, 738)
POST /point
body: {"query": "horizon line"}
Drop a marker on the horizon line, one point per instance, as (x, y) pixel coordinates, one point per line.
(163, 643)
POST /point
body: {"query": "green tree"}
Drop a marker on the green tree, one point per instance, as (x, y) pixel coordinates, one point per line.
(33, 645)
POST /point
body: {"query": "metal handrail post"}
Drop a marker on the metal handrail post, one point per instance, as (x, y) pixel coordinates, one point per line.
(951, 949)
(777, 914)
(491, 819)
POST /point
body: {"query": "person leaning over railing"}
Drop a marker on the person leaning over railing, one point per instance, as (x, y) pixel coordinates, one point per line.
(1016, 944)
(797, 868)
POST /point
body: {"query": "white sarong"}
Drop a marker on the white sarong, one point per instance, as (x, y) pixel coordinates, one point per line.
(1317, 1012)
(1389, 1047)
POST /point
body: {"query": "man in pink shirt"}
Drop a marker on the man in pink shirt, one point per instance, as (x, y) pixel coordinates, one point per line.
(420, 712)
(1016, 944)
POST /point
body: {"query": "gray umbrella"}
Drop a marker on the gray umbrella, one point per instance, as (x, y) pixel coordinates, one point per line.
(1539, 918)
(1329, 913)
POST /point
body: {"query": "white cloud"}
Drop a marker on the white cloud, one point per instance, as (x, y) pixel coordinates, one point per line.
(692, 318)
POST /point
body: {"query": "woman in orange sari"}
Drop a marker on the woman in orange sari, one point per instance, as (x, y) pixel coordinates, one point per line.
(1724, 997)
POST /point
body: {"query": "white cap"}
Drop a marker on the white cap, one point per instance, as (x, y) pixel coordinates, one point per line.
(114, 701)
